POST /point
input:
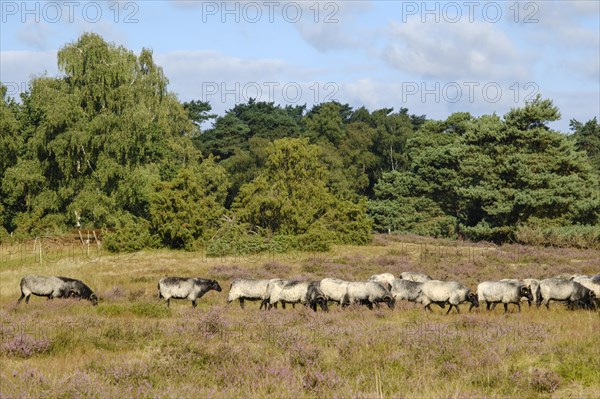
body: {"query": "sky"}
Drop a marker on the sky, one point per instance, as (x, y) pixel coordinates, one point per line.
(434, 57)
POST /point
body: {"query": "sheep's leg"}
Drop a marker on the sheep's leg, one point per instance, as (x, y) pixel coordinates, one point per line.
(21, 298)
(242, 303)
(449, 309)
(506, 308)
(194, 303)
(487, 305)
(169, 302)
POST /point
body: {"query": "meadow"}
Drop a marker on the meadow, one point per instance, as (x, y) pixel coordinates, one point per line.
(132, 345)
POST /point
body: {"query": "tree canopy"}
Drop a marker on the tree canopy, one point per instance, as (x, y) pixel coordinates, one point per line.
(106, 145)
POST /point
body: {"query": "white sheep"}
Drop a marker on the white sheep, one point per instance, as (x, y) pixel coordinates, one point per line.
(505, 292)
(243, 289)
(447, 292)
(334, 289)
(367, 293)
(414, 276)
(407, 290)
(384, 279)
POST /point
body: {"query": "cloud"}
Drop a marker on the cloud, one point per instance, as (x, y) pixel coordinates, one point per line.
(214, 65)
(18, 67)
(35, 35)
(324, 24)
(568, 30)
(221, 79)
(332, 25)
(458, 51)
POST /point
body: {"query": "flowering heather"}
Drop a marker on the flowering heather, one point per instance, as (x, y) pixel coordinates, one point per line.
(25, 346)
(132, 346)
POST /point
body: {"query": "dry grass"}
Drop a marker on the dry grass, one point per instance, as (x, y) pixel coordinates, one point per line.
(131, 345)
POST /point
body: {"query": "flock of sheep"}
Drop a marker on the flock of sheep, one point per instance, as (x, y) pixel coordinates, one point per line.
(578, 291)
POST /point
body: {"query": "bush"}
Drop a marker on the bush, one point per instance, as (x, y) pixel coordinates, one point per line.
(578, 236)
(132, 235)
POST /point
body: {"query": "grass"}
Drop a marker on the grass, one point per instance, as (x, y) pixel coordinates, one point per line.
(131, 345)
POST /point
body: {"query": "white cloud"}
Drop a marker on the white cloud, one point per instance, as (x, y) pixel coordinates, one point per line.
(459, 51)
(18, 67)
(35, 35)
(331, 25)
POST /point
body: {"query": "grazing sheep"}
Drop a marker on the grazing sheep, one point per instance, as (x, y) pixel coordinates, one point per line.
(243, 289)
(314, 297)
(274, 287)
(413, 276)
(384, 279)
(407, 290)
(185, 288)
(505, 292)
(307, 293)
(532, 283)
(447, 292)
(367, 293)
(55, 287)
(572, 292)
(334, 289)
(578, 277)
(591, 284)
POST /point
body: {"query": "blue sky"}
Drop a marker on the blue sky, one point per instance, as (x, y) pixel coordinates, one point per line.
(433, 57)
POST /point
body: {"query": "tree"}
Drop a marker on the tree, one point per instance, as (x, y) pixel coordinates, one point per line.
(187, 210)
(486, 178)
(10, 146)
(87, 134)
(519, 171)
(198, 111)
(398, 207)
(587, 138)
(325, 123)
(290, 197)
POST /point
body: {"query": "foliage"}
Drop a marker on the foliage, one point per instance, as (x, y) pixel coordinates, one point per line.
(483, 178)
(290, 197)
(106, 145)
(131, 235)
(189, 207)
(587, 138)
(519, 170)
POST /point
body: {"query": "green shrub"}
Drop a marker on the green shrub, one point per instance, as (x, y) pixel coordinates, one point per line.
(132, 235)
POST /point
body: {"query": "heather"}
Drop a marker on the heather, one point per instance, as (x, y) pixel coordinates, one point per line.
(132, 345)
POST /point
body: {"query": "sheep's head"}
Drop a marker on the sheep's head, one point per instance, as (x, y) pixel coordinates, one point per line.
(391, 302)
(214, 285)
(526, 292)
(472, 297)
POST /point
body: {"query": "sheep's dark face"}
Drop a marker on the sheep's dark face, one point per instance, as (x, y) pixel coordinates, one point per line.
(472, 297)
(391, 302)
(215, 286)
(94, 299)
(322, 301)
(526, 292)
(593, 300)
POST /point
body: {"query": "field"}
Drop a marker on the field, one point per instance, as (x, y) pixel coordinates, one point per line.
(132, 345)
